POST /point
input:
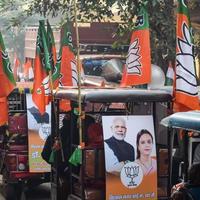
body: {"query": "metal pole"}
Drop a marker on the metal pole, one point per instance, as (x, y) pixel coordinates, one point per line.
(79, 77)
(55, 117)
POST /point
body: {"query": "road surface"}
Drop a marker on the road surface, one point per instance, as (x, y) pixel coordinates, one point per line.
(41, 192)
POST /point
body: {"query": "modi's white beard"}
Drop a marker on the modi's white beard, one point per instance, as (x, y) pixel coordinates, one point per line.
(119, 137)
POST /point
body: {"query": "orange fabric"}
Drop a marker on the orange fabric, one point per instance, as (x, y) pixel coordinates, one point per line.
(124, 75)
(27, 65)
(144, 58)
(192, 102)
(115, 188)
(180, 19)
(40, 96)
(16, 65)
(66, 74)
(66, 69)
(183, 100)
(4, 111)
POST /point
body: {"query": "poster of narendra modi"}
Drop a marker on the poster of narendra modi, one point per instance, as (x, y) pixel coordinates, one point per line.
(130, 157)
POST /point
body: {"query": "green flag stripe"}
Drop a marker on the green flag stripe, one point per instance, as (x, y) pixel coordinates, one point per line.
(50, 43)
(6, 62)
(42, 48)
(67, 37)
(182, 8)
(66, 41)
(142, 21)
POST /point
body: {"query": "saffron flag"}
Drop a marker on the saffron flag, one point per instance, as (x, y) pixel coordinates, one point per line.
(4, 111)
(41, 86)
(28, 70)
(185, 90)
(65, 73)
(51, 44)
(170, 75)
(7, 81)
(16, 67)
(138, 62)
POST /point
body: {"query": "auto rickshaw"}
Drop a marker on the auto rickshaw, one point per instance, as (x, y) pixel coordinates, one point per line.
(188, 125)
(14, 152)
(87, 180)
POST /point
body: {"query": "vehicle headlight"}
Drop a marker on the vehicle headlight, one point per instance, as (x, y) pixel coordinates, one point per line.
(21, 166)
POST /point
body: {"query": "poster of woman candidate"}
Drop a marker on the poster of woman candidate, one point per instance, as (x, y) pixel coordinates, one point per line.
(39, 127)
(130, 157)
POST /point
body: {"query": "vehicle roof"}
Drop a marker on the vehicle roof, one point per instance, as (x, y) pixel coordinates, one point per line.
(185, 120)
(108, 95)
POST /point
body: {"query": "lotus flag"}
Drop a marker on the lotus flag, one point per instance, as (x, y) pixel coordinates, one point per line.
(41, 86)
(138, 62)
(51, 44)
(186, 92)
(170, 75)
(7, 81)
(65, 73)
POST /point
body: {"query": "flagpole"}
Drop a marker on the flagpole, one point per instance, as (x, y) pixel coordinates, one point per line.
(79, 77)
(56, 120)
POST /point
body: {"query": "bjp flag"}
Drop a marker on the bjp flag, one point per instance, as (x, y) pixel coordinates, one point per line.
(137, 69)
(66, 73)
(7, 81)
(41, 85)
(51, 44)
(185, 88)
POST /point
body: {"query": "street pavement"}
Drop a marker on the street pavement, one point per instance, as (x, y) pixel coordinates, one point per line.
(41, 192)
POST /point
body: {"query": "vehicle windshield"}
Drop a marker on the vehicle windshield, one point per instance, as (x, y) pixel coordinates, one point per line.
(109, 68)
(93, 66)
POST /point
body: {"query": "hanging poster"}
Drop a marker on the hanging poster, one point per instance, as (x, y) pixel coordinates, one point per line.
(130, 157)
(39, 127)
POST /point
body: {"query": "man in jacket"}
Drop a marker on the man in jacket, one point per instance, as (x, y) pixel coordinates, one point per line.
(117, 149)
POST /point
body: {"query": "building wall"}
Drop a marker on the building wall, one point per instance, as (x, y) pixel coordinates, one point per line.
(30, 41)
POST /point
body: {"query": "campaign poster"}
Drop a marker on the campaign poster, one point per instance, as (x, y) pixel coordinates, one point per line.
(39, 127)
(130, 157)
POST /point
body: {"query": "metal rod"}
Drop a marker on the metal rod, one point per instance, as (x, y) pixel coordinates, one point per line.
(55, 117)
(79, 76)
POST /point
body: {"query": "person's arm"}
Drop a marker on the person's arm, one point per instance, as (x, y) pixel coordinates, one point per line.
(112, 163)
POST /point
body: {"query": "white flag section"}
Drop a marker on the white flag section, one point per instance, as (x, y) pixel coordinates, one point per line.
(39, 127)
(30, 73)
(130, 157)
(170, 73)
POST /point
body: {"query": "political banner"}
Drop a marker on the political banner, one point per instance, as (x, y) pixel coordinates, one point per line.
(130, 157)
(39, 127)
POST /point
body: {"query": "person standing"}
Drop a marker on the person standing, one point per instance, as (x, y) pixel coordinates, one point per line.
(189, 190)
